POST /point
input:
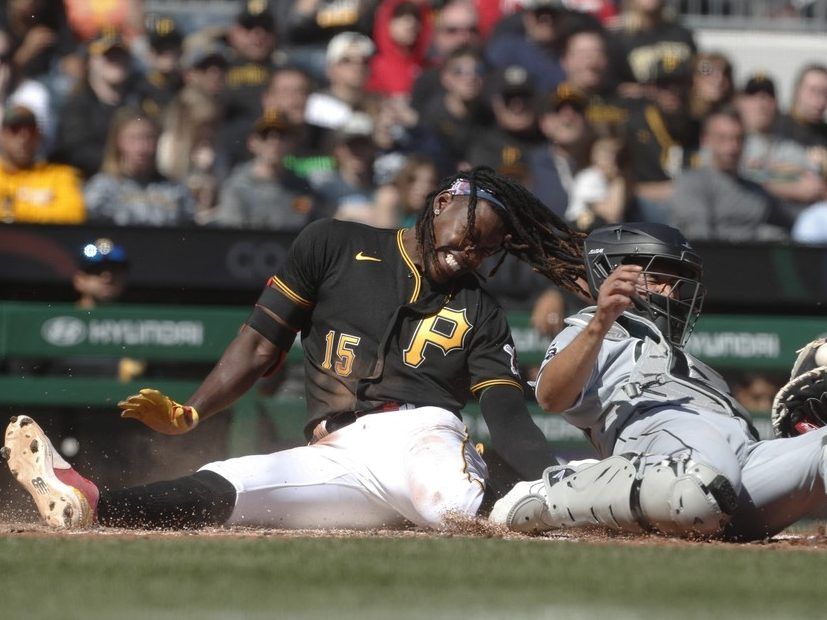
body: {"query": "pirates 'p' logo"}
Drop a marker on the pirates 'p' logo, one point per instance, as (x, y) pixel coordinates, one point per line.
(446, 331)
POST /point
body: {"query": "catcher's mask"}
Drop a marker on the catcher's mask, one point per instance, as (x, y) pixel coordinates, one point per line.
(666, 257)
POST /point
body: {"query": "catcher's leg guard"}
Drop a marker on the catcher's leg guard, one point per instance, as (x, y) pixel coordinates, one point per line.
(676, 497)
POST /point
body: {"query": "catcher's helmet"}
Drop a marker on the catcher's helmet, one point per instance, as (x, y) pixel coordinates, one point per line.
(665, 254)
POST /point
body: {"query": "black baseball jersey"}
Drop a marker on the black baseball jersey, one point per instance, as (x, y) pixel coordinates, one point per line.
(375, 330)
(806, 134)
(659, 149)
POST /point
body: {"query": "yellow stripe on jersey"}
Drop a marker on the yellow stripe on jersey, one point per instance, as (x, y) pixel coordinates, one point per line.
(658, 127)
(288, 292)
(409, 262)
(491, 382)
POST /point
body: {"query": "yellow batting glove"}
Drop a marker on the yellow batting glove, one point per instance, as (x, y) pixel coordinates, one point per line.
(159, 412)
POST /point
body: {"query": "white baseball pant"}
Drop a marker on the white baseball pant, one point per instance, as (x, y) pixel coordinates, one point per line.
(385, 469)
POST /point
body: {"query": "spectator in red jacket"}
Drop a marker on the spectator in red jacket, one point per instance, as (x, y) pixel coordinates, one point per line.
(402, 32)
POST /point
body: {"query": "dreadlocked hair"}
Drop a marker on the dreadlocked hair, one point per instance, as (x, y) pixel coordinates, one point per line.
(536, 235)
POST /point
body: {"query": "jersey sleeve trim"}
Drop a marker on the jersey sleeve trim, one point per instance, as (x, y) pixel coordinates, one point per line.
(285, 290)
(658, 128)
(486, 384)
(409, 262)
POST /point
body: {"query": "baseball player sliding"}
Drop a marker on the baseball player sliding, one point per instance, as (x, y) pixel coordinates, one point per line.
(397, 333)
(679, 455)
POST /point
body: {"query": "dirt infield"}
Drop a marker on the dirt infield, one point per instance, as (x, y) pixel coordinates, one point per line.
(810, 536)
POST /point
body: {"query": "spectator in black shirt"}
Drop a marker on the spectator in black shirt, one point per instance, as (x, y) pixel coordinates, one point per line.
(661, 137)
(158, 86)
(454, 118)
(552, 166)
(252, 39)
(805, 121)
(645, 37)
(39, 35)
(85, 119)
(515, 132)
(307, 26)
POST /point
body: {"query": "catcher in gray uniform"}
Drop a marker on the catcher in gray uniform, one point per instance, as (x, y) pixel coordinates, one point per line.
(679, 455)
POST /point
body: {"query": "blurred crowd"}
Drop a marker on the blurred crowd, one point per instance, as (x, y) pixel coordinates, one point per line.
(300, 109)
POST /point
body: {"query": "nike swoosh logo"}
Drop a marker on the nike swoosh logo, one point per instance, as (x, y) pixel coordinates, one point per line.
(361, 256)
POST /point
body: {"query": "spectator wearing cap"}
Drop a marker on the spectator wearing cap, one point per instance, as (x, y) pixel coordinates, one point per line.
(129, 190)
(553, 165)
(16, 89)
(645, 36)
(308, 26)
(449, 123)
(779, 164)
(456, 25)
(204, 64)
(348, 70)
(533, 50)
(804, 122)
(662, 139)
(87, 113)
(162, 80)
(39, 35)
(102, 273)
(101, 278)
(714, 202)
(261, 193)
(515, 132)
(252, 42)
(349, 193)
(402, 32)
(34, 191)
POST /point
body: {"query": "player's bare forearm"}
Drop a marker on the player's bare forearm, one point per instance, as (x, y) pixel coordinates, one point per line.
(565, 375)
(246, 359)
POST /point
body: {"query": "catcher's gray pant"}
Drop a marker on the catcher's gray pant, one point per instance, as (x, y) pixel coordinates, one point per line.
(779, 481)
(384, 470)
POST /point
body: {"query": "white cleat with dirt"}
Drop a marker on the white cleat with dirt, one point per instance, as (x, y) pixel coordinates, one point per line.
(36, 465)
(523, 509)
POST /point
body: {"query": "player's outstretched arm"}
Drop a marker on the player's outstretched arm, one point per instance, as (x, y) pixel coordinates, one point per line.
(565, 375)
(248, 357)
(514, 435)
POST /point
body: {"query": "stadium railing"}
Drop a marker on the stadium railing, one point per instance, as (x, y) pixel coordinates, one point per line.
(783, 15)
(44, 332)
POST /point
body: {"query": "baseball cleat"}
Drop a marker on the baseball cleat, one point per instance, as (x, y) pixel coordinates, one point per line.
(63, 497)
(523, 508)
